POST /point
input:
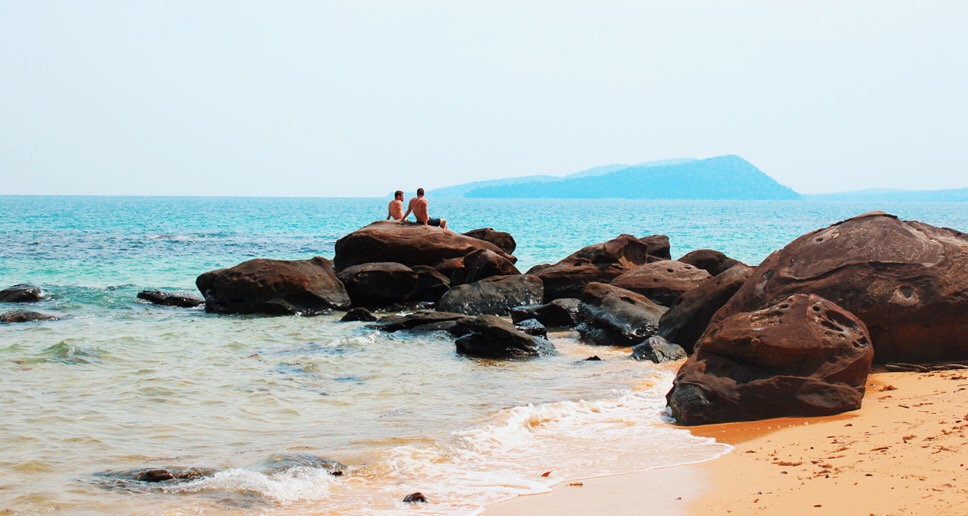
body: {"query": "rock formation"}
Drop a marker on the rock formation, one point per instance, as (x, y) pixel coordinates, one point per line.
(496, 295)
(662, 282)
(612, 316)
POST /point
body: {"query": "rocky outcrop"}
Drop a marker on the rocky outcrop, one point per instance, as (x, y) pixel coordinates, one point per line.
(663, 281)
(489, 336)
(422, 321)
(482, 264)
(21, 293)
(378, 284)
(22, 316)
(908, 282)
(805, 356)
(709, 260)
(431, 285)
(560, 313)
(613, 316)
(494, 296)
(658, 350)
(690, 314)
(358, 314)
(407, 243)
(599, 263)
(658, 247)
(503, 240)
(274, 287)
(160, 297)
(532, 327)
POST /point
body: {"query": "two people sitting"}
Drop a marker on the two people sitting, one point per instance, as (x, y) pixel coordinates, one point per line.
(418, 205)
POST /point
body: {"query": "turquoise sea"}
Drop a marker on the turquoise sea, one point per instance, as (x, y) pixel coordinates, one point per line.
(118, 384)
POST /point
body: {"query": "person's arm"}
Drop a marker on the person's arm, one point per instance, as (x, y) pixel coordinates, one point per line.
(407, 214)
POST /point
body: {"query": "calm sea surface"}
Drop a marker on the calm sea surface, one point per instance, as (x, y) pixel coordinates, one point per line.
(118, 384)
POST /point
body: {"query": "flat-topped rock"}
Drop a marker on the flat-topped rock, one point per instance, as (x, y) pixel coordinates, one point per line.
(489, 336)
(407, 243)
(274, 287)
(908, 282)
(662, 282)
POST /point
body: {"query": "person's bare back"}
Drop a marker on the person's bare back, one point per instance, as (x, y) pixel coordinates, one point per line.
(418, 205)
(395, 209)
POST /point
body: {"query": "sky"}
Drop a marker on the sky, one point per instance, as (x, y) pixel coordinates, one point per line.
(360, 98)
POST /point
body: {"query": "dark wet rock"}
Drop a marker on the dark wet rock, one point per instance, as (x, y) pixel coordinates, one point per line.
(22, 316)
(359, 314)
(274, 287)
(492, 296)
(804, 356)
(709, 260)
(146, 478)
(657, 349)
(499, 238)
(593, 358)
(691, 312)
(560, 313)
(658, 245)
(286, 461)
(595, 263)
(490, 336)
(160, 297)
(409, 244)
(417, 497)
(482, 264)
(21, 293)
(908, 282)
(378, 284)
(419, 322)
(431, 285)
(663, 281)
(612, 316)
(532, 327)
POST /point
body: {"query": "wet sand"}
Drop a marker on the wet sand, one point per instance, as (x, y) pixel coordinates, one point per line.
(904, 452)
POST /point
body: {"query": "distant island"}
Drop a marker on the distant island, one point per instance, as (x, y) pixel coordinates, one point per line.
(718, 178)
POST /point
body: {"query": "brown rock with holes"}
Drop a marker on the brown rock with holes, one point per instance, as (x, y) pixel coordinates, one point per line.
(908, 282)
(804, 356)
(663, 281)
(690, 314)
(595, 263)
(482, 264)
(499, 238)
(274, 287)
(407, 243)
(709, 260)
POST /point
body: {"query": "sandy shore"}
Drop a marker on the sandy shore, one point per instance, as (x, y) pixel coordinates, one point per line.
(904, 452)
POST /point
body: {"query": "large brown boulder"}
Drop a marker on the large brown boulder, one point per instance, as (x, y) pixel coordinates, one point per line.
(407, 243)
(499, 238)
(662, 282)
(482, 264)
(492, 337)
(690, 314)
(599, 263)
(805, 356)
(709, 260)
(908, 282)
(658, 245)
(613, 316)
(431, 285)
(378, 284)
(496, 295)
(274, 287)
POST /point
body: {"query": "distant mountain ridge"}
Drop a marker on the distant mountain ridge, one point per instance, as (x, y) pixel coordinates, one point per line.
(721, 177)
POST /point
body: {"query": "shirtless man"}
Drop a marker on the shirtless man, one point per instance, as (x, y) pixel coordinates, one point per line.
(395, 210)
(418, 205)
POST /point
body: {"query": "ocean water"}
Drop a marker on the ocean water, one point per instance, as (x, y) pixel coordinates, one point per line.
(118, 384)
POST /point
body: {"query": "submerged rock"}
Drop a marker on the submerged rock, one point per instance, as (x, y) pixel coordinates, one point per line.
(274, 287)
(804, 356)
(908, 282)
(160, 297)
(423, 321)
(22, 316)
(532, 327)
(657, 349)
(489, 336)
(143, 479)
(358, 314)
(614, 316)
(21, 293)
(417, 497)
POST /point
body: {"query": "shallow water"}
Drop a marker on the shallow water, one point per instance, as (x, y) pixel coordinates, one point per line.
(118, 384)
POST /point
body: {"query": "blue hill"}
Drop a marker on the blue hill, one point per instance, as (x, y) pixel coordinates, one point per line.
(723, 177)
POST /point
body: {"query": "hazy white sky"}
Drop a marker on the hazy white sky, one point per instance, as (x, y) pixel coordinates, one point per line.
(360, 98)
